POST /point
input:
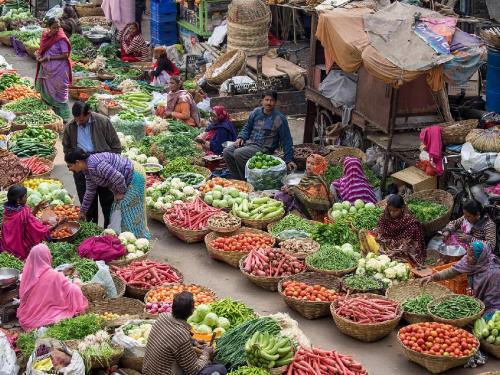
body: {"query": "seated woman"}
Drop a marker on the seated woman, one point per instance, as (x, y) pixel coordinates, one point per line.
(46, 295)
(70, 22)
(132, 44)
(220, 130)
(353, 184)
(180, 104)
(163, 68)
(311, 196)
(399, 232)
(483, 269)
(21, 230)
(474, 225)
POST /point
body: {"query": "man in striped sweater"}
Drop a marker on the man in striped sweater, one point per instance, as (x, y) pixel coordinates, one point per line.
(170, 347)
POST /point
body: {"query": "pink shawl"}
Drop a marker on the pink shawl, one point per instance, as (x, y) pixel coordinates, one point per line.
(431, 138)
(354, 184)
(182, 96)
(21, 231)
(47, 296)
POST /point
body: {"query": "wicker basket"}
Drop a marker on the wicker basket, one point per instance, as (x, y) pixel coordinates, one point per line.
(455, 322)
(339, 153)
(302, 255)
(95, 292)
(141, 65)
(134, 363)
(301, 161)
(139, 293)
(202, 288)
(105, 76)
(52, 142)
(232, 70)
(94, 21)
(185, 235)
(205, 172)
(88, 10)
(454, 133)
(271, 225)
(126, 262)
(155, 214)
(494, 350)
(365, 332)
(50, 164)
(248, 186)
(338, 273)
(74, 92)
(310, 309)
(56, 126)
(230, 229)
(230, 257)
(119, 306)
(6, 41)
(5, 129)
(435, 364)
(491, 39)
(97, 362)
(261, 224)
(411, 289)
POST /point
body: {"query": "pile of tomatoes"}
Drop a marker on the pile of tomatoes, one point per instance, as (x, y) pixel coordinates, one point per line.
(306, 292)
(242, 242)
(218, 181)
(438, 339)
(62, 232)
(67, 211)
(166, 293)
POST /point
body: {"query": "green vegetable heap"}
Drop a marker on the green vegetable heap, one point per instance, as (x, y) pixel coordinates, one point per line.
(178, 165)
(293, 222)
(34, 134)
(9, 79)
(426, 211)
(455, 307)
(490, 332)
(235, 311)
(263, 161)
(26, 343)
(82, 48)
(367, 218)
(247, 370)
(330, 259)
(86, 82)
(337, 233)
(74, 328)
(361, 283)
(170, 146)
(10, 261)
(178, 127)
(87, 229)
(37, 118)
(62, 253)
(25, 105)
(418, 305)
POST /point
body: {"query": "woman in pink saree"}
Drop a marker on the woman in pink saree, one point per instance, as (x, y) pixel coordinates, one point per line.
(46, 295)
(21, 230)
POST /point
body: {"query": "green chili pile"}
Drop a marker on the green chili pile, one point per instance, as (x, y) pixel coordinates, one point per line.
(455, 307)
(361, 283)
(235, 311)
(418, 305)
(328, 258)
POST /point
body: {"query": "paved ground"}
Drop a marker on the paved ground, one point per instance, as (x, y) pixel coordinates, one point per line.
(381, 358)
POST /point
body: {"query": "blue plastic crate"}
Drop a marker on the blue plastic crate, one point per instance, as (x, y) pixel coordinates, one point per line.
(165, 17)
(167, 40)
(162, 27)
(163, 6)
(161, 13)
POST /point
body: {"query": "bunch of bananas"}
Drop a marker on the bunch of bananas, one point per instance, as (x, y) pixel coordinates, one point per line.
(268, 351)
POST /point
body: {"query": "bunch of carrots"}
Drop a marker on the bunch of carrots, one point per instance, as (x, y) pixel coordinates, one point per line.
(36, 165)
(192, 215)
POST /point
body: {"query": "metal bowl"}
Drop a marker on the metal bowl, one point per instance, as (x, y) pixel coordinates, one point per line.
(293, 179)
(8, 276)
(74, 226)
(159, 166)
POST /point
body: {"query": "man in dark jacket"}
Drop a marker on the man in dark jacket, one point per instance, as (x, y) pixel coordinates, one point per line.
(93, 133)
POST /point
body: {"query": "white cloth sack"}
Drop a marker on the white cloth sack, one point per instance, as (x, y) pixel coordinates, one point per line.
(115, 221)
(475, 161)
(133, 348)
(340, 88)
(218, 35)
(7, 357)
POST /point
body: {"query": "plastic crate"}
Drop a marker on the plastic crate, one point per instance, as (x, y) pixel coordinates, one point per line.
(459, 284)
(160, 13)
(158, 28)
(163, 6)
(164, 40)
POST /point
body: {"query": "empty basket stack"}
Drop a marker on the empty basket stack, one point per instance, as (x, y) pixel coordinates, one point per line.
(163, 22)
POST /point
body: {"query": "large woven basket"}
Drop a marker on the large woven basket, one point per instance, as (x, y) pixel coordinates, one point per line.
(51, 142)
(47, 162)
(205, 172)
(185, 235)
(271, 225)
(455, 322)
(230, 257)
(122, 262)
(267, 283)
(248, 186)
(338, 273)
(411, 289)
(95, 292)
(56, 126)
(6, 41)
(238, 59)
(134, 363)
(435, 364)
(94, 21)
(340, 152)
(347, 289)
(300, 160)
(310, 309)
(97, 362)
(491, 38)
(155, 214)
(494, 350)
(119, 306)
(261, 224)
(88, 10)
(365, 332)
(454, 133)
(226, 230)
(302, 255)
(435, 196)
(5, 129)
(139, 293)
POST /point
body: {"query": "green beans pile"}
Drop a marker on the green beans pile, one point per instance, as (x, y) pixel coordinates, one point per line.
(327, 258)
(418, 305)
(235, 311)
(247, 370)
(87, 229)
(361, 283)
(455, 307)
(86, 268)
(25, 105)
(37, 118)
(10, 261)
(292, 222)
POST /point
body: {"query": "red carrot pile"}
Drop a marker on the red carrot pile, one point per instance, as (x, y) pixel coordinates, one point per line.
(152, 179)
(321, 362)
(191, 215)
(147, 274)
(35, 165)
(366, 310)
(270, 262)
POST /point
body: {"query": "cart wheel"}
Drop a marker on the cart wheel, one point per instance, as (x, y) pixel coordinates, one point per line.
(323, 120)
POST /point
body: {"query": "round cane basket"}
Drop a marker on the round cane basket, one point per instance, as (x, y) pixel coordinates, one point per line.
(205, 172)
(95, 292)
(50, 142)
(435, 364)
(55, 126)
(31, 51)
(411, 289)
(155, 214)
(93, 21)
(105, 76)
(5, 129)
(230, 257)
(267, 283)
(365, 332)
(271, 225)
(134, 363)
(339, 153)
(95, 361)
(315, 246)
(89, 10)
(125, 262)
(494, 350)
(454, 133)
(5, 40)
(261, 224)
(75, 92)
(337, 273)
(119, 306)
(140, 293)
(310, 309)
(229, 229)
(206, 290)
(300, 157)
(455, 322)
(237, 58)
(240, 185)
(185, 235)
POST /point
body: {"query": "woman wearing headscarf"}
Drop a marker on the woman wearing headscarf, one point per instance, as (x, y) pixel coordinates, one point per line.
(311, 196)
(132, 44)
(53, 69)
(70, 22)
(353, 184)
(399, 232)
(46, 295)
(483, 270)
(164, 68)
(21, 230)
(180, 104)
(220, 130)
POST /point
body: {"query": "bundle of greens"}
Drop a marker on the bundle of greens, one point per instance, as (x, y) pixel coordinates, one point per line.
(74, 328)
(426, 211)
(337, 233)
(170, 146)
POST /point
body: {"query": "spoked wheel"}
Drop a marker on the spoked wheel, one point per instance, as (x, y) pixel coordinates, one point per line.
(323, 120)
(458, 201)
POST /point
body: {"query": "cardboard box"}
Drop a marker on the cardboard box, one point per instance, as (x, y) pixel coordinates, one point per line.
(470, 89)
(414, 178)
(108, 111)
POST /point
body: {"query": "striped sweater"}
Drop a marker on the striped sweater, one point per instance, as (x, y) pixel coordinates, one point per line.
(170, 344)
(135, 46)
(484, 230)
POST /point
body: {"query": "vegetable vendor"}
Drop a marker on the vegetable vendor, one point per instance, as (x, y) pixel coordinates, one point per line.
(180, 104)
(170, 347)
(132, 44)
(266, 129)
(474, 225)
(70, 22)
(400, 233)
(311, 197)
(46, 295)
(353, 184)
(483, 270)
(53, 70)
(164, 68)
(21, 230)
(220, 130)
(125, 179)
(92, 132)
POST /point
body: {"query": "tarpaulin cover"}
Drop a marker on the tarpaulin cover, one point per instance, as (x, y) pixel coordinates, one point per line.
(494, 9)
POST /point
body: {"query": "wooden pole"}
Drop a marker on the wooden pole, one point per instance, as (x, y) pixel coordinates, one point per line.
(392, 123)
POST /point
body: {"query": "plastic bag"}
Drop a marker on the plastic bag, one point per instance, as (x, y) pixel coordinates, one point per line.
(133, 348)
(136, 129)
(55, 12)
(7, 357)
(115, 221)
(266, 179)
(475, 161)
(103, 277)
(75, 367)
